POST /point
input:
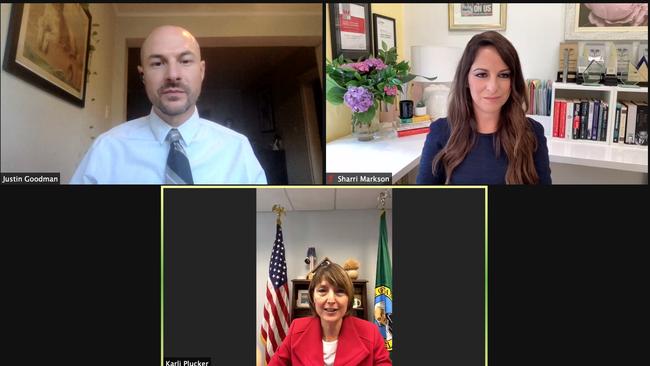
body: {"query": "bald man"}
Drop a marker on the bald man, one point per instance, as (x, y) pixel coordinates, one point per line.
(172, 145)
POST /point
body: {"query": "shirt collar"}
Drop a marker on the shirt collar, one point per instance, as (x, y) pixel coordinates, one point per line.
(161, 129)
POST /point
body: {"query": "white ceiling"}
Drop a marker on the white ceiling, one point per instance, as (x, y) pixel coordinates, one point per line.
(320, 199)
(183, 9)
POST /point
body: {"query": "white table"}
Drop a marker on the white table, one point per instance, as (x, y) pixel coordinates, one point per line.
(385, 154)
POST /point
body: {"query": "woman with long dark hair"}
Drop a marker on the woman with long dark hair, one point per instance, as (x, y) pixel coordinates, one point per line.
(486, 137)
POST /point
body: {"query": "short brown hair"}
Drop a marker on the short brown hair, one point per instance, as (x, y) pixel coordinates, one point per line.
(337, 277)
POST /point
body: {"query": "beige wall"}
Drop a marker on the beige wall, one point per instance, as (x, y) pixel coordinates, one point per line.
(134, 29)
(43, 133)
(338, 118)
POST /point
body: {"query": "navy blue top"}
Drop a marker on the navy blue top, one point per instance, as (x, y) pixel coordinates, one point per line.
(481, 165)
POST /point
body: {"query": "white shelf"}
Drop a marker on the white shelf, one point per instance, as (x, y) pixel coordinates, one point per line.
(611, 156)
(599, 154)
(604, 88)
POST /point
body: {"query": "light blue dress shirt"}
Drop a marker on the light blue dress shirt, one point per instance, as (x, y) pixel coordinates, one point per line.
(135, 152)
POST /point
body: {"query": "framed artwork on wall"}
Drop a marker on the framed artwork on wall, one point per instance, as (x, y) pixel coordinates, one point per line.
(48, 47)
(351, 30)
(477, 16)
(613, 21)
(385, 31)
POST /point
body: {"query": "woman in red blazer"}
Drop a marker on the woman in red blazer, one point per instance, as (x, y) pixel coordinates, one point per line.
(332, 337)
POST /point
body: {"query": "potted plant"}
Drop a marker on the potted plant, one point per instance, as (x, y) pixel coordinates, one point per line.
(420, 108)
(363, 85)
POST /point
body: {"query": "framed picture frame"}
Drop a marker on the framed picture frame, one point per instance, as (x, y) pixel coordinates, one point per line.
(582, 22)
(48, 46)
(265, 110)
(351, 30)
(384, 31)
(477, 16)
(302, 299)
(356, 302)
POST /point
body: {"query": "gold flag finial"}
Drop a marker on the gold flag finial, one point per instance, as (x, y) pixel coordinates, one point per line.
(383, 196)
(279, 210)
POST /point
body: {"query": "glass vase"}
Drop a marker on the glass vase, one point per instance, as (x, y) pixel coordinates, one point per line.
(365, 131)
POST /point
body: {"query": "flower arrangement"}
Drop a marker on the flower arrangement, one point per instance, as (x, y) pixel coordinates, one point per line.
(362, 85)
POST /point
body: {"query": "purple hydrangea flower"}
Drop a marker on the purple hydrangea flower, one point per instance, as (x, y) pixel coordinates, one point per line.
(359, 99)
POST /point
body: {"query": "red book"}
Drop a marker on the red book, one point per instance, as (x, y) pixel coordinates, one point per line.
(556, 116)
(413, 131)
(562, 120)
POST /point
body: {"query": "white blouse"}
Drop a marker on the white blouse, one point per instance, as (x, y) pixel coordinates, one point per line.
(329, 352)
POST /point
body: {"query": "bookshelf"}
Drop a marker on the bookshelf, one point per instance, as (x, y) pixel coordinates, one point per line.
(599, 154)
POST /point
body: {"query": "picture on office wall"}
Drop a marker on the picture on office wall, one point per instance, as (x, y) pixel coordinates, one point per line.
(385, 32)
(48, 46)
(610, 21)
(480, 16)
(351, 30)
(592, 15)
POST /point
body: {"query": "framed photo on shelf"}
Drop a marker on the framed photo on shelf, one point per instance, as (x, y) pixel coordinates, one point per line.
(613, 21)
(302, 299)
(48, 46)
(351, 30)
(356, 302)
(477, 16)
(384, 32)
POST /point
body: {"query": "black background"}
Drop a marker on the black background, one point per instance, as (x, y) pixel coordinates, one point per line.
(568, 275)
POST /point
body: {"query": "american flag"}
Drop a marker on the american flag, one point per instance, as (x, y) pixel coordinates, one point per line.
(275, 324)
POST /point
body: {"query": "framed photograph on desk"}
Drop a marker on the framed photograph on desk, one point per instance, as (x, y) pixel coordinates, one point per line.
(384, 32)
(351, 30)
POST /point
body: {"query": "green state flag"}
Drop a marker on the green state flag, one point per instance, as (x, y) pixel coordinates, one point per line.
(383, 310)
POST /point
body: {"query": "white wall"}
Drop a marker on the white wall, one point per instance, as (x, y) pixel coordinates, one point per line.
(535, 30)
(43, 133)
(338, 235)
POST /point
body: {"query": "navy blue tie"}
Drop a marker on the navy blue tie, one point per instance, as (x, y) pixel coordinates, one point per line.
(178, 169)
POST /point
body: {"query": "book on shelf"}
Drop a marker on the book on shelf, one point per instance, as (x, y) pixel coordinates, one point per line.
(568, 118)
(631, 123)
(590, 120)
(584, 117)
(576, 119)
(617, 122)
(556, 116)
(602, 125)
(621, 133)
(594, 123)
(641, 130)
